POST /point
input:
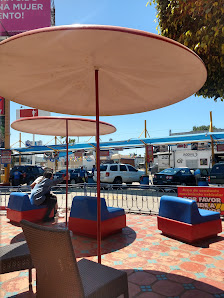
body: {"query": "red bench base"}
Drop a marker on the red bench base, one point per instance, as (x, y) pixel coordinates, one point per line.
(30, 215)
(187, 232)
(88, 228)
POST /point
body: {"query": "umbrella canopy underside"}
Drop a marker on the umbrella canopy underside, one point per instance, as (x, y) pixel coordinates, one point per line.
(53, 69)
(56, 126)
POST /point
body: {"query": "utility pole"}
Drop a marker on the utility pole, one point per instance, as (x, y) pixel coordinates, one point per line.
(146, 152)
(212, 142)
(20, 147)
(146, 148)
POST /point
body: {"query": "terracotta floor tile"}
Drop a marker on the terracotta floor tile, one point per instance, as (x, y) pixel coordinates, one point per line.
(157, 266)
(204, 286)
(133, 289)
(214, 283)
(210, 252)
(202, 259)
(193, 267)
(142, 278)
(196, 293)
(167, 288)
(176, 276)
(150, 295)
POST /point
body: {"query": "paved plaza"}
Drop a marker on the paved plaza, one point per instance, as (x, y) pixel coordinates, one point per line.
(157, 266)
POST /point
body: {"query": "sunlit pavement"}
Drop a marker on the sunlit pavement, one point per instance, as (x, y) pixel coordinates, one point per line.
(157, 266)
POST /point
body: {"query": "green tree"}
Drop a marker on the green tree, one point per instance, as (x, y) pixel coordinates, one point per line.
(204, 128)
(199, 25)
(70, 141)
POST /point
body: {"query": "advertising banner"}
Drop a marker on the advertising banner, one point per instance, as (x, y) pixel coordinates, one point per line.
(21, 113)
(79, 153)
(220, 147)
(2, 131)
(2, 122)
(104, 152)
(19, 16)
(149, 153)
(2, 106)
(6, 157)
(210, 198)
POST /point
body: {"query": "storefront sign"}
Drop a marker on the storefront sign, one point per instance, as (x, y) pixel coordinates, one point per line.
(19, 16)
(149, 149)
(211, 198)
(2, 106)
(220, 147)
(104, 152)
(6, 157)
(79, 153)
(2, 122)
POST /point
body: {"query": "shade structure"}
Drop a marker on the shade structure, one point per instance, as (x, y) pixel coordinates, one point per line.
(62, 126)
(56, 126)
(53, 69)
(97, 70)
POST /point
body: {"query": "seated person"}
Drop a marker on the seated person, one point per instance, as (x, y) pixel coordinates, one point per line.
(41, 195)
(40, 178)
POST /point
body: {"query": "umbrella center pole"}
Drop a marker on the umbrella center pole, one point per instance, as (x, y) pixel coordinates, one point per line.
(98, 168)
(66, 196)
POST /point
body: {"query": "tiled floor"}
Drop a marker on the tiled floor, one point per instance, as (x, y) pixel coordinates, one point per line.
(157, 266)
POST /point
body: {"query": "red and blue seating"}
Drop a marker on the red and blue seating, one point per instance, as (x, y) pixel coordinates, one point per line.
(180, 218)
(83, 217)
(20, 207)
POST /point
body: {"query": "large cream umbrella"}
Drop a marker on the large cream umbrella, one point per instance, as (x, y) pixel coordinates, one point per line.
(62, 126)
(97, 70)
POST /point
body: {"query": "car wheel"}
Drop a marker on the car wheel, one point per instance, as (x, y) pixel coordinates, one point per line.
(118, 180)
(73, 181)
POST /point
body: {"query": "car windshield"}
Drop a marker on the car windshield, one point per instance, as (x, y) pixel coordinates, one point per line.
(170, 171)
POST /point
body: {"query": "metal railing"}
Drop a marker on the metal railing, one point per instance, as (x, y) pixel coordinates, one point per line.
(133, 198)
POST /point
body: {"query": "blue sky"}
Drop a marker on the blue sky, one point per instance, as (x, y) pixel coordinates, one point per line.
(179, 117)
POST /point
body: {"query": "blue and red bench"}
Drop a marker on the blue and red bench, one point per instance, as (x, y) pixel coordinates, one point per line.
(83, 217)
(20, 207)
(182, 219)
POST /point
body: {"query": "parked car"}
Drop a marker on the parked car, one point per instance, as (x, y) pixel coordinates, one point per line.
(29, 173)
(118, 173)
(217, 174)
(174, 176)
(74, 175)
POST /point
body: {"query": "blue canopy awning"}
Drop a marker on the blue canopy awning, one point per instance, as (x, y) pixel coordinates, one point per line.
(128, 144)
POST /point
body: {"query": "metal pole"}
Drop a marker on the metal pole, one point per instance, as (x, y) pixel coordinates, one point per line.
(146, 153)
(98, 169)
(212, 142)
(33, 156)
(7, 137)
(56, 161)
(66, 197)
(20, 147)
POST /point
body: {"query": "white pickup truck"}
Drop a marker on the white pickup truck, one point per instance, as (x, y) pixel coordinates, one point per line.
(118, 173)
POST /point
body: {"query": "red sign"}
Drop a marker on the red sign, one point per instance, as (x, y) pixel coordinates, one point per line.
(220, 147)
(104, 153)
(2, 106)
(79, 153)
(6, 156)
(19, 16)
(149, 153)
(28, 113)
(181, 145)
(211, 198)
